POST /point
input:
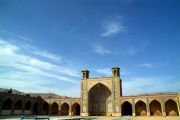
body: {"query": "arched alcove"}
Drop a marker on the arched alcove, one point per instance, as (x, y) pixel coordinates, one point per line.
(18, 105)
(98, 97)
(140, 108)
(45, 108)
(126, 108)
(35, 108)
(155, 108)
(75, 109)
(27, 105)
(55, 108)
(171, 108)
(65, 109)
(7, 104)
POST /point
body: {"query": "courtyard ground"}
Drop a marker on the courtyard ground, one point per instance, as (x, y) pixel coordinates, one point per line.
(97, 118)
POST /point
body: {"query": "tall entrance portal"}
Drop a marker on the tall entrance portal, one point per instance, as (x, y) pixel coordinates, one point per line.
(100, 96)
(98, 100)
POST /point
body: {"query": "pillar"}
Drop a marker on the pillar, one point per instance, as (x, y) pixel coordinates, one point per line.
(1, 105)
(147, 107)
(59, 109)
(23, 106)
(178, 106)
(120, 113)
(133, 108)
(70, 110)
(13, 107)
(50, 107)
(163, 108)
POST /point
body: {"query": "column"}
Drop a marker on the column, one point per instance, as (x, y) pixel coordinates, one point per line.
(147, 107)
(23, 106)
(59, 109)
(50, 107)
(178, 106)
(13, 107)
(40, 107)
(120, 110)
(1, 104)
(163, 108)
(70, 111)
(133, 108)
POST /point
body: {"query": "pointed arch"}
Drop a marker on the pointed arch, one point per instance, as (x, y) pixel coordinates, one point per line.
(75, 109)
(126, 108)
(99, 83)
(27, 105)
(171, 108)
(18, 105)
(98, 96)
(7, 104)
(155, 108)
(65, 109)
(35, 108)
(55, 108)
(45, 108)
(140, 108)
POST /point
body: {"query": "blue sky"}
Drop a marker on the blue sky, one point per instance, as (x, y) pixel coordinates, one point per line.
(45, 44)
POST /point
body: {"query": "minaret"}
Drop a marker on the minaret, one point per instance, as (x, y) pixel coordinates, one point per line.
(115, 72)
(85, 74)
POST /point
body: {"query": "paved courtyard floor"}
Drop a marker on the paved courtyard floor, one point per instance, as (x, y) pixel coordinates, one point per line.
(95, 118)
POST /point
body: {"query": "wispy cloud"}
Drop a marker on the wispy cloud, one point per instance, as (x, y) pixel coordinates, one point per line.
(101, 50)
(147, 65)
(48, 55)
(23, 38)
(15, 35)
(22, 68)
(111, 28)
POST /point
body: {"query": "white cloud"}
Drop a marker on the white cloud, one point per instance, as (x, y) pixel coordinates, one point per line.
(26, 72)
(15, 35)
(48, 55)
(101, 50)
(147, 65)
(13, 57)
(111, 28)
(23, 38)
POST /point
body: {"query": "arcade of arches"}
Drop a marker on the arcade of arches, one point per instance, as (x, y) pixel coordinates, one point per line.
(140, 107)
(12, 107)
(99, 96)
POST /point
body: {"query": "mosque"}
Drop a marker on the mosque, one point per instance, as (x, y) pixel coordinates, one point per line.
(99, 97)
